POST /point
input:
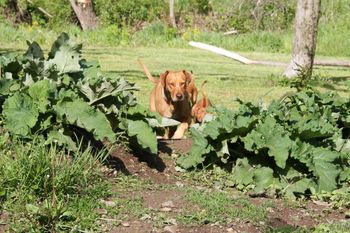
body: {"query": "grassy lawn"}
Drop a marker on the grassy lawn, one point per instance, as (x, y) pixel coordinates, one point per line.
(227, 79)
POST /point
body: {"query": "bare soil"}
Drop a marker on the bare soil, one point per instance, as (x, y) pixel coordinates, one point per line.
(161, 170)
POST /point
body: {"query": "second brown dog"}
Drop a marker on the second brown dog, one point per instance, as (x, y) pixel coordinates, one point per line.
(199, 110)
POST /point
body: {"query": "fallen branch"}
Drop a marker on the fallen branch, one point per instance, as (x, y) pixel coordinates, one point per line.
(332, 63)
(42, 10)
(247, 61)
(232, 32)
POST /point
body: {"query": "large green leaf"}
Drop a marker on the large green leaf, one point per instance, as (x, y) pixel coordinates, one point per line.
(197, 155)
(59, 137)
(325, 169)
(144, 134)
(65, 55)
(268, 134)
(34, 51)
(41, 92)
(299, 187)
(263, 179)
(242, 173)
(79, 113)
(20, 114)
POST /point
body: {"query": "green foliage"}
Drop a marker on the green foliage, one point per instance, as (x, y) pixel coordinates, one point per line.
(155, 33)
(41, 185)
(220, 207)
(295, 146)
(64, 96)
(127, 12)
(247, 15)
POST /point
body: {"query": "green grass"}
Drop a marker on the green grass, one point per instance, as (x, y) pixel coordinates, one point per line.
(221, 207)
(336, 227)
(46, 189)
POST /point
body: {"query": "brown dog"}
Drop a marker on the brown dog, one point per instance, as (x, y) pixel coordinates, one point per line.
(199, 110)
(173, 95)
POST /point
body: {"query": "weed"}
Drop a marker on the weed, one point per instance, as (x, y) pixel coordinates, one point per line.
(41, 186)
(221, 207)
(127, 183)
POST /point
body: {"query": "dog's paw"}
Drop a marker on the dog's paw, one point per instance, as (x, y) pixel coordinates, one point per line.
(177, 136)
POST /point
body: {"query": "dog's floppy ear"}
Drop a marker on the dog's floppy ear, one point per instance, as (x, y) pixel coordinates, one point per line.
(189, 78)
(162, 78)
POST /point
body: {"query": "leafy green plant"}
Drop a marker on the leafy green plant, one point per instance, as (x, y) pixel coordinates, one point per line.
(295, 146)
(65, 97)
(40, 186)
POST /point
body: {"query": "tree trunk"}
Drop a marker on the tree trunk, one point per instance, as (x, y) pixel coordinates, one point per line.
(171, 13)
(16, 14)
(304, 44)
(85, 13)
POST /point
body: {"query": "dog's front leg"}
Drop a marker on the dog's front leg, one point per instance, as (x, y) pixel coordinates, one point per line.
(180, 131)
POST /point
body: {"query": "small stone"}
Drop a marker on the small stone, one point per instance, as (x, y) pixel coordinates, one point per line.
(108, 203)
(321, 203)
(179, 169)
(230, 230)
(174, 155)
(125, 224)
(347, 214)
(145, 217)
(170, 229)
(171, 221)
(101, 211)
(168, 204)
(165, 209)
(200, 188)
(262, 223)
(179, 184)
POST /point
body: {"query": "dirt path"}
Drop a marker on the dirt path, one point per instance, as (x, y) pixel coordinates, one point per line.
(166, 199)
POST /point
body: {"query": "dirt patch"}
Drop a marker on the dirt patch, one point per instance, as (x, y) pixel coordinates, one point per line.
(157, 168)
(4, 218)
(157, 199)
(180, 146)
(307, 215)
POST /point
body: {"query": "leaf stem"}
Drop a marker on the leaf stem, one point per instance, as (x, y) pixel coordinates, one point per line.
(109, 94)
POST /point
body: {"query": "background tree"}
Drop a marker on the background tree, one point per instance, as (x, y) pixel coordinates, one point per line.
(171, 13)
(304, 43)
(16, 13)
(85, 13)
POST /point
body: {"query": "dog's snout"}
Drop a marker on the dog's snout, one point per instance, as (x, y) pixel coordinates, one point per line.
(179, 96)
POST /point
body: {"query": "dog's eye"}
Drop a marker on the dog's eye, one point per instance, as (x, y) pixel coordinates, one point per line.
(182, 84)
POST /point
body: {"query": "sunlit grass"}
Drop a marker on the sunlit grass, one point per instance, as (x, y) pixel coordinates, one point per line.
(227, 79)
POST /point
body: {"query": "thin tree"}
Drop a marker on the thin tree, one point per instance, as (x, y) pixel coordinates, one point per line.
(85, 13)
(304, 43)
(171, 13)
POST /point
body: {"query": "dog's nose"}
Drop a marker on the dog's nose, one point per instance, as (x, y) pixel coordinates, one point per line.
(179, 96)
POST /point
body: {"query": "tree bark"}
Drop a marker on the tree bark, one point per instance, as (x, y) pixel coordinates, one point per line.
(304, 43)
(85, 13)
(171, 13)
(13, 9)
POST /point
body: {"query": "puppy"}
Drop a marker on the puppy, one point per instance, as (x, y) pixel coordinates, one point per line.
(199, 110)
(173, 96)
